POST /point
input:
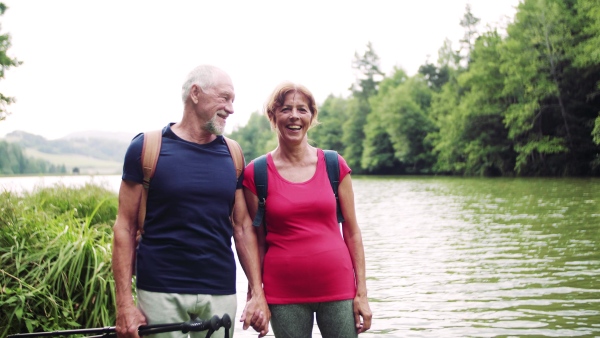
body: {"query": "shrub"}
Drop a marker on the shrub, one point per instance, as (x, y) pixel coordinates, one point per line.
(55, 259)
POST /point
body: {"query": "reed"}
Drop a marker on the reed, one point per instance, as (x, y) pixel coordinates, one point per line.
(55, 259)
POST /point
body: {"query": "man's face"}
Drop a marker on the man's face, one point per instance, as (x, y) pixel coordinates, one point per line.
(215, 104)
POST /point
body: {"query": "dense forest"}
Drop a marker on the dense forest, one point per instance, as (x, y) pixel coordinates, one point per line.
(13, 161)
(521, 101)
(525, 102)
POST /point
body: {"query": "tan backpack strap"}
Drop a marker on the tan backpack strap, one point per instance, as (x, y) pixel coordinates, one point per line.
(238, 161)
(237, 154)
(150, 151)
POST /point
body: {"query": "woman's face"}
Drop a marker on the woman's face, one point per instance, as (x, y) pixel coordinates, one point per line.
(293, 118)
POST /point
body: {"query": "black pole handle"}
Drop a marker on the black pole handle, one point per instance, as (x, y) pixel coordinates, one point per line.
(102, 330)
(193, 325)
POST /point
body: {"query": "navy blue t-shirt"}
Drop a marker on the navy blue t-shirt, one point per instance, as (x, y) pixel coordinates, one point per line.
(186, 246)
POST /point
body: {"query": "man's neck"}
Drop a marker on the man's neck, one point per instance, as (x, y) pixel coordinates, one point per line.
(192, 132)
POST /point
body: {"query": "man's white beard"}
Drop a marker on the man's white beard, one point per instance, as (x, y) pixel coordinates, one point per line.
(214, 126)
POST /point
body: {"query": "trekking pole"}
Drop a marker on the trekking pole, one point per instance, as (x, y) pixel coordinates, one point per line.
(193, 325)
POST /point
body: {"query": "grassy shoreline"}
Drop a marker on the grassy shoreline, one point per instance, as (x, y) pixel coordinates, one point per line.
(55, 258)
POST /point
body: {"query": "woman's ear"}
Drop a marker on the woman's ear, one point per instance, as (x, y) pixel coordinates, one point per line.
(272, 117)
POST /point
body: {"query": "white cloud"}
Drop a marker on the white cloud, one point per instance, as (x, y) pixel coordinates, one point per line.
(118, 65)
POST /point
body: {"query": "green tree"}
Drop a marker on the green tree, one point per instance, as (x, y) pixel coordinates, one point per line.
(436, 76)
(14, 162)
(256, 137)
(369, 76)
(332, 115)
(353, 132)
(549, 121)
(469, 23)
(11, 158)
(446, 138)
(448, 57)
(588, 50)
(378, 155)
(486, 149)
(6, 63)
(400, 115)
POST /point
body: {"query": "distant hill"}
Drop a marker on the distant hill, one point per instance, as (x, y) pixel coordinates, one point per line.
(91, 152)
(94, 134)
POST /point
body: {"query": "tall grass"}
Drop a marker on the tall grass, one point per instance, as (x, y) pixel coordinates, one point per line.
(55, 255)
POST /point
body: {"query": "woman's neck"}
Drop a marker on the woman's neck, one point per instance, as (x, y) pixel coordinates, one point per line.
(294, 155)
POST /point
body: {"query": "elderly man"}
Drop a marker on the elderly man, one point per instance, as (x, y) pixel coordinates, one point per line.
(184, 263)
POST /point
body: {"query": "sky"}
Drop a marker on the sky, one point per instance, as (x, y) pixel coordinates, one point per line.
(118, 65)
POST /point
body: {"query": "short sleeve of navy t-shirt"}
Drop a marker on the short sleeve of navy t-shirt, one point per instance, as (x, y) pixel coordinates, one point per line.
(186, 246)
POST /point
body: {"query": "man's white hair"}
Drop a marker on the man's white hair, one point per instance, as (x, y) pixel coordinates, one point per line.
(203, 76)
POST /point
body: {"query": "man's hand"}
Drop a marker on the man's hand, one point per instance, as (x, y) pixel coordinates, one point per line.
(129, 319)
(256, 314)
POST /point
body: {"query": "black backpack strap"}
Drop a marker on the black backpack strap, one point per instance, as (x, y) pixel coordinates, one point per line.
(260, 181)
(333, 171)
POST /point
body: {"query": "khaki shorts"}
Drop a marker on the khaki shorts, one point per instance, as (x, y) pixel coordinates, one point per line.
(163, 308)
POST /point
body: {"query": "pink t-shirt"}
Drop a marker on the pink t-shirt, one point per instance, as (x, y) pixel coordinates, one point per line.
(307, 260)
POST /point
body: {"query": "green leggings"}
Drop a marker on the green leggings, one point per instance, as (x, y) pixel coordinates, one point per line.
(335, 320)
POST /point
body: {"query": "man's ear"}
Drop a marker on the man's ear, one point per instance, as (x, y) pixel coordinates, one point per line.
(195, 92)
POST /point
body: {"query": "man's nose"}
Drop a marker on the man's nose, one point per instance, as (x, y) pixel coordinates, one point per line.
(229, 108)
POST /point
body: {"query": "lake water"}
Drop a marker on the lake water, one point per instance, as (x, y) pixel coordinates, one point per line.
(467, 257)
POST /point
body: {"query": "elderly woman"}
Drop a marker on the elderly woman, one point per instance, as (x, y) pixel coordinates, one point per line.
(309, 266)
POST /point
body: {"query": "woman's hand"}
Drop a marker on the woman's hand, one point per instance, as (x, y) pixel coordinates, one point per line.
(362, 314)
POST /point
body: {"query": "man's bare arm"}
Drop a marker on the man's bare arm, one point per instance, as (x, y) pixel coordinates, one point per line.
(129, 318)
